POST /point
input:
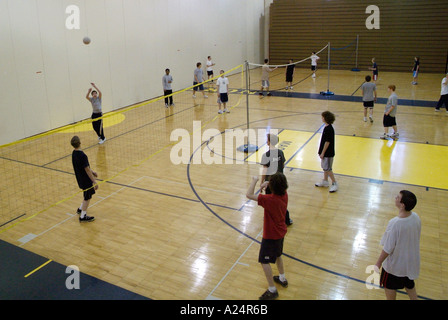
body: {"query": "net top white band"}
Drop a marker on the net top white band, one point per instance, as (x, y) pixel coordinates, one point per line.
(285, 65)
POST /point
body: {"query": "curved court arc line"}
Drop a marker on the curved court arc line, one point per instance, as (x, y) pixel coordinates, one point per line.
(255, 240)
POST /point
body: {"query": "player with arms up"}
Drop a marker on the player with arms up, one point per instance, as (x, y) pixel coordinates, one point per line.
(274, 229)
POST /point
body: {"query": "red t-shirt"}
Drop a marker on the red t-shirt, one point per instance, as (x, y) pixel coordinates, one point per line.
(275, 206)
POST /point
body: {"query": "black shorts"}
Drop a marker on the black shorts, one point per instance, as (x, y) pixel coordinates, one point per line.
(199, 87)
(368, 104)
(209, 73)
(313, 68)
(288, 77)
(270, 250)
(223, 97)
(389, 121)
(389, 281)
(89, 193)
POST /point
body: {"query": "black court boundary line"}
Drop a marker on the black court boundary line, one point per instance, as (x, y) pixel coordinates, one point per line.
(346, 98)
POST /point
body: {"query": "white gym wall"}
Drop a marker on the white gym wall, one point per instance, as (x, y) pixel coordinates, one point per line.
(46, 70)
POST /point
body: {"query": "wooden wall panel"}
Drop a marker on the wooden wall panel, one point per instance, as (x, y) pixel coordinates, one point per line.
(407, 29)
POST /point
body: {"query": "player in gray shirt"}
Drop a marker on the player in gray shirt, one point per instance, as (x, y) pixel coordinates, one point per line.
(167, 80)
(198, 78)
(97, 112)
(389, 113)
(368, 97)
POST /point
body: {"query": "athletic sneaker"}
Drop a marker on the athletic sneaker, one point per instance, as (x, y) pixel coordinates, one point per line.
(384, 136)
(394, 135)
(322, 183)
(205, 96)
(194, 96)
(437, 110)
(101, 141)
(226, 110)
(78, 211)
(86, 219)
(365, 119)
(371, 119)
(220, 111)
(269, 94)
(166, 105)
(284, 284)
(291, 88)
(334, 187)
(314, 75)
(268, 295)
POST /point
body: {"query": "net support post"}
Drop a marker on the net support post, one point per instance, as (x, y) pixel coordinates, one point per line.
(356, 69)
(328, 92)
(247, 147)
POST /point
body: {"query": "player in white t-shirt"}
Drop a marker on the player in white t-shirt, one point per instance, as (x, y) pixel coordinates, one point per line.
(400, 257)
(443, 94)
(314, 57)
(210, 65)
(222, 85)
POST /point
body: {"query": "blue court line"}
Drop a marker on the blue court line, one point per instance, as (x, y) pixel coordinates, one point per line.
(255, 240)
(350, 98)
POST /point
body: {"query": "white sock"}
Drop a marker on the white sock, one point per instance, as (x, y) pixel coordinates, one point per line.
(282, 277)
(83, 214)
(272, 289)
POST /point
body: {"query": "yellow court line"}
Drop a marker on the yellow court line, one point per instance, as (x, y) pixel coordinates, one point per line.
(131, 166)
(40, 267)
(384, 160)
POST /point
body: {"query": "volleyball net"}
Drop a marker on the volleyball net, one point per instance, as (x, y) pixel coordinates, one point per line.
(37, 172)
(330, 57)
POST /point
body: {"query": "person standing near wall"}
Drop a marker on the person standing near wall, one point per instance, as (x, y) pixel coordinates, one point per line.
(167, 80)
(265, 70)
(416, 69)
(289, 74)
(198, 78)
(314, 57)
(210, 65)
(374, 69)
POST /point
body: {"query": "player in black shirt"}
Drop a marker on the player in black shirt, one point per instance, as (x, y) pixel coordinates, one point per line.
(85, 177)
(273, 161)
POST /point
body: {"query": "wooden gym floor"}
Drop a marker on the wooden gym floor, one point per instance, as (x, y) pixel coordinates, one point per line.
(186, 231)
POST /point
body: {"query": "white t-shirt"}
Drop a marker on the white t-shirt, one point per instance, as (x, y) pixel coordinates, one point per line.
(402, 242)
(223, 84)
(209, 65)
(444, 86)
(314, 59)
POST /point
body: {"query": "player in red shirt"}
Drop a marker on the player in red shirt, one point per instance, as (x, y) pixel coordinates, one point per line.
(274, 229)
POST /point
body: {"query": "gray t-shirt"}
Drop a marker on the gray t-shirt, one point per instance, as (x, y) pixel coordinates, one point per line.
(96, 104)
(368, 89)
(198, 75)
(392, 101)
(166, 84)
